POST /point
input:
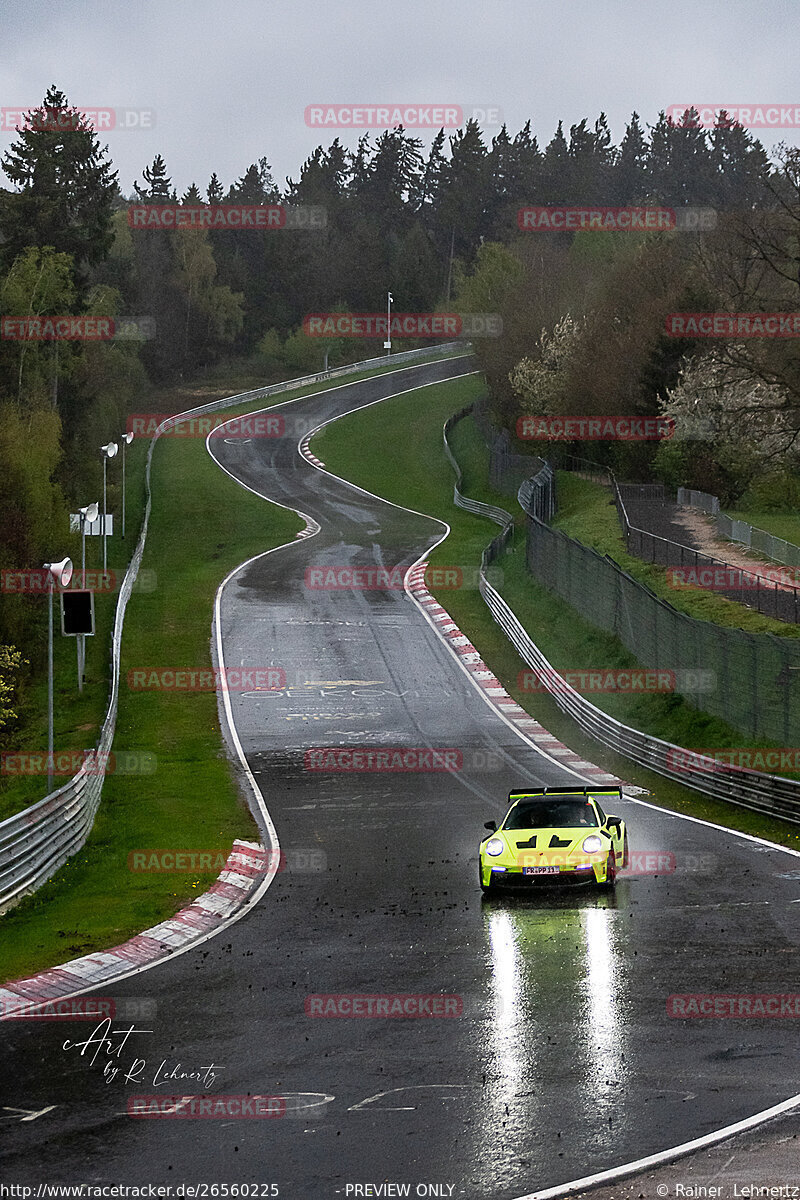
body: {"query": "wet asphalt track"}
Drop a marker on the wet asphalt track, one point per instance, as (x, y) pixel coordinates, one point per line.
(564, 1062)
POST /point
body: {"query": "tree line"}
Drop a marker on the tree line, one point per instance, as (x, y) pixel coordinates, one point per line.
(437, 228)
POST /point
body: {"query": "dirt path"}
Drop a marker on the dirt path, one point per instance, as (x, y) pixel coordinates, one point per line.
(704, 536)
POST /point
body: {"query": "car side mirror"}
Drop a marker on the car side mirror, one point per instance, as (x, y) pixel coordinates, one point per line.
(491, 825)
(613, 822)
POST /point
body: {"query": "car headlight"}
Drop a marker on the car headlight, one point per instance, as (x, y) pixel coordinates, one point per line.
(494, 847)
(592, 844)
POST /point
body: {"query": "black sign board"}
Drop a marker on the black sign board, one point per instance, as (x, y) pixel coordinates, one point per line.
(77, 613)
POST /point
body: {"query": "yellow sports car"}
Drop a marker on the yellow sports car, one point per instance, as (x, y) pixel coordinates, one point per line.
(559, 834)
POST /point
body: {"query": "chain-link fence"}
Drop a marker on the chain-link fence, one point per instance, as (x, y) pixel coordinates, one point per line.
(702, 500)
(768, 544)
(538, 495)
(652, 504)
(756, 675)
(648, 625)
(507, 469)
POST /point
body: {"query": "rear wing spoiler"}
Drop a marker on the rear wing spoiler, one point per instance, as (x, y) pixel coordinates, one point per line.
(531, 793)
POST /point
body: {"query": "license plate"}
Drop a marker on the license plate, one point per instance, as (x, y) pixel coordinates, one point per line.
(540, 870)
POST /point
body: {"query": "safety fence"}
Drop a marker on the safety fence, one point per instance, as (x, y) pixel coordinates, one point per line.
(34, 843)
(776, 548)
(689, 498)
(773, 597)
(507, 469)
(657, 634)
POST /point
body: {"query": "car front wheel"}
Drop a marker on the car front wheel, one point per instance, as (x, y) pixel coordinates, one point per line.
(611, 871)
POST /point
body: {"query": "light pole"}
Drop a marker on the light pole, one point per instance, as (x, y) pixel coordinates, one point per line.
(388, 343)
(61, 573)
(107, 452)
(89, 514)
(126, 440)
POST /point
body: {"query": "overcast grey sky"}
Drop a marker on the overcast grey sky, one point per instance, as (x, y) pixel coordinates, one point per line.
(228, 81)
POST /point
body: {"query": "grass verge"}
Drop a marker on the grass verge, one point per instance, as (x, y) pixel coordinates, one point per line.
(780, 525)
(202, 525)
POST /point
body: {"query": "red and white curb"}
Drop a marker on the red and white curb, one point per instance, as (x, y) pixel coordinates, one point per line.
(493, 689)
(311, 529)
(306, 452)
(244, 870)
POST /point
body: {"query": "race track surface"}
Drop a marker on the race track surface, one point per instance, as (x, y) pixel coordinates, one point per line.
(564, 1060)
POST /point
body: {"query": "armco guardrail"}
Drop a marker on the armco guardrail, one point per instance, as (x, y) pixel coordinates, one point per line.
(477, 507)
(37, 841)
(754, 790)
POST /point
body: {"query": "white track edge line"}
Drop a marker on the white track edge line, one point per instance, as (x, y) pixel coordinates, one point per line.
(686, 1147)
(256, 895)
(663, 1156)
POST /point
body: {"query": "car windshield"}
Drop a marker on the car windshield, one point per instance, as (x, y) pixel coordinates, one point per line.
(564, 813)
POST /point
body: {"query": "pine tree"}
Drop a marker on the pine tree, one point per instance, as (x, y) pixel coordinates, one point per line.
(680, 161)
(214, 192)
(631, 176)
(740, 165)
(465, 190)
(555, 170)
(425, 198)
(255, 187)
(65, 188)
(526, 182)
(159, 189)
(591, 159)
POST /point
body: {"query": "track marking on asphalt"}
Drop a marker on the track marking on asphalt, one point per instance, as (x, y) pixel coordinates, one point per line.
(311, 529)
(30, 1114)
(411, 1088)
(664, 1156)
